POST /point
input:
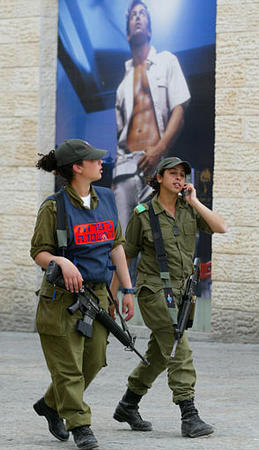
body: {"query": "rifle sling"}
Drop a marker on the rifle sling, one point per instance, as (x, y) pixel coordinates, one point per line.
(61, 222)
(161, 255)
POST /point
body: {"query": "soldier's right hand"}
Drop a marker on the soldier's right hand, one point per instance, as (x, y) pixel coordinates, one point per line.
(72, 277)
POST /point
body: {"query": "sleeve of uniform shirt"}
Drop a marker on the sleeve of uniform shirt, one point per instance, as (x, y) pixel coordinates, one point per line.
(44, 237)
(202, 224)
(178, 92)
(133, 236)
(119, 238)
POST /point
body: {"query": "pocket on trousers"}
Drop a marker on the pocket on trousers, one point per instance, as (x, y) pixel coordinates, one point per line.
(154, 309)
(50, 313)
(147, 294)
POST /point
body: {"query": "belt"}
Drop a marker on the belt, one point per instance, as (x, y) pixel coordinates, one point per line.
(156, 281)
(93, 285)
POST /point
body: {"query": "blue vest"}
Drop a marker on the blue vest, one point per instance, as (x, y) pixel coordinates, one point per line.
(91, 236)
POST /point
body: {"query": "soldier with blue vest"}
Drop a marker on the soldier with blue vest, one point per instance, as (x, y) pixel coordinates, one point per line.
(94, 248)
(179, 217)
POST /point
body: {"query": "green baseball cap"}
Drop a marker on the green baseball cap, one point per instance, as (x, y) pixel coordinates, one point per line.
(169, 163)
(73, 150)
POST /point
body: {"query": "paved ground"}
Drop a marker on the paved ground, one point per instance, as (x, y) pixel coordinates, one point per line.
(227, 396)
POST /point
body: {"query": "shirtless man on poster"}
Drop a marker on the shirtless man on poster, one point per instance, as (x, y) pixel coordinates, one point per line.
(150, 105)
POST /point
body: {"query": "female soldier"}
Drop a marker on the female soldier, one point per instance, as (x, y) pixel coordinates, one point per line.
(179, 220)
(72, 359)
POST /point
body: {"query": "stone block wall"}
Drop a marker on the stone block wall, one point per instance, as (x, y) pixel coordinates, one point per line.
(28, 52)
(235, 260)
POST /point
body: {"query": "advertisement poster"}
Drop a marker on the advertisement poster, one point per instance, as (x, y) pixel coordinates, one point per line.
(92, 51)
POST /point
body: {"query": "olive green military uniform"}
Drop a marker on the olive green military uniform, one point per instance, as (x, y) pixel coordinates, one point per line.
(179, 235)
(73, 360)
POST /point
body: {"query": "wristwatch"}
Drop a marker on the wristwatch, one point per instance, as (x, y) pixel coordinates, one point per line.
(128, 290)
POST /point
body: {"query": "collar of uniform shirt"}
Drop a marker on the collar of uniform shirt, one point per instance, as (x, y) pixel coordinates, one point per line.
(158, 208)
(76, 199)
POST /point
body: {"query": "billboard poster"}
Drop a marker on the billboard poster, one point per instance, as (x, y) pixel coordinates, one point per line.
(97, 94)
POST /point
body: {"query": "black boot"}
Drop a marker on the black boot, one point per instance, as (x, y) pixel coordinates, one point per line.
(192, 425)
(127, 411)
(56, 424)
(84, 437)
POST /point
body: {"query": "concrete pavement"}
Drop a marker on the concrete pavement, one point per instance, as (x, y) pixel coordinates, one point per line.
(227, 396)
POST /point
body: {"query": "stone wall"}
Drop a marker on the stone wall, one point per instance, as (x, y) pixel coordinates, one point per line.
(28, 55)
(235, 262)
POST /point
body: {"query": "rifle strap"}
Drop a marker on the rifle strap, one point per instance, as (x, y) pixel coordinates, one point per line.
(61, 222)
(162, 261)
(113, 301)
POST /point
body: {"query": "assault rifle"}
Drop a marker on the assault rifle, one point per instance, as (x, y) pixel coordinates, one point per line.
(87, 303)
(187, 306)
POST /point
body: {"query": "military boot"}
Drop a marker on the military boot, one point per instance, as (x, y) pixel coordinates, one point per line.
(84, 437)
(192, 425)
(127, 411)
(56, 424)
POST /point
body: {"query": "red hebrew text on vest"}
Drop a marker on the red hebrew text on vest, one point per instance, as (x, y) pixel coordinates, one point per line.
(90, 233)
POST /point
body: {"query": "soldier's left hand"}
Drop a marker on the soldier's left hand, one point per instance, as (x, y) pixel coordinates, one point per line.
(191, 192)
(128, 306)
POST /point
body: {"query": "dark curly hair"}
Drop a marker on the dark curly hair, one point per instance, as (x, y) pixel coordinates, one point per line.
(152, 181)
(49, 164)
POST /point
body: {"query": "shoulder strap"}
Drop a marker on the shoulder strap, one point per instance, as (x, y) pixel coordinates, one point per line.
(141, 207)
(61, 222)
(162, 261)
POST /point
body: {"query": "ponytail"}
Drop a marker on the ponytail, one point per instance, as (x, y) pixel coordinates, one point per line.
(152, 181)
(49, 164)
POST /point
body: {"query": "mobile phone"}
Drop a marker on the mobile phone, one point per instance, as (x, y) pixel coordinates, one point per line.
(185, 192)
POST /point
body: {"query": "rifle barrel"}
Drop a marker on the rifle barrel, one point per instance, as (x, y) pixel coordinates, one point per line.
(145, 361)
(174, 348)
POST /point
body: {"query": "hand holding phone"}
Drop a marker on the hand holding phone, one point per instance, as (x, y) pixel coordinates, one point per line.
(185, 192)
(189, 193)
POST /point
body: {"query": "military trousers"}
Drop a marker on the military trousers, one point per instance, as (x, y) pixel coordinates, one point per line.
(72, 359)
(181, 375)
